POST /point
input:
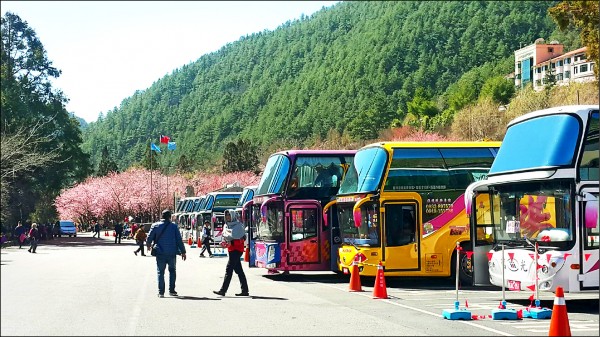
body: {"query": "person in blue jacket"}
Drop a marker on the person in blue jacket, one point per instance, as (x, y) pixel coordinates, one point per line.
(165, 239)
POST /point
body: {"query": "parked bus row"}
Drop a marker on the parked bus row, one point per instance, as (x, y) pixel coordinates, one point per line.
(403, 204)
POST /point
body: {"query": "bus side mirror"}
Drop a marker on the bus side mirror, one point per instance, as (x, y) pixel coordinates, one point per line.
(591, 214)
(469, 195)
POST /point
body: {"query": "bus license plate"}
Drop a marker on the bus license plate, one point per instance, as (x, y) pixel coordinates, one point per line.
(513, 285)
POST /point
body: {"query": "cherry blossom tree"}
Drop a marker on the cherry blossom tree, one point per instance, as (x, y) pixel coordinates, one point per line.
(138, 193)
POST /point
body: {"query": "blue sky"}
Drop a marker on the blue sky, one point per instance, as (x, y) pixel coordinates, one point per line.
(107, 50)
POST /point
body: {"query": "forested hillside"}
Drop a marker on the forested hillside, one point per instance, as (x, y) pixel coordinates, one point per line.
(353, 68)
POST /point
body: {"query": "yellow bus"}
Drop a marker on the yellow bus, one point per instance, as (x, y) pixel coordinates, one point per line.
(401, 204)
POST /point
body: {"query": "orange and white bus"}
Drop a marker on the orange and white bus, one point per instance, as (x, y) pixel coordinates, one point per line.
(401, 204)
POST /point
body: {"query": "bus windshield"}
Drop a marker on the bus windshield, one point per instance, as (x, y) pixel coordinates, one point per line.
(541, 151)
(247, 195)
(366, 171)
(317, 177)
(368, 233)
(534, 211)
(273, 177)
(272, 229)
(226, 200)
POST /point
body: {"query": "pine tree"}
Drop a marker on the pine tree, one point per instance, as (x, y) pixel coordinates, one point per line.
(240, 157)
(106, 165)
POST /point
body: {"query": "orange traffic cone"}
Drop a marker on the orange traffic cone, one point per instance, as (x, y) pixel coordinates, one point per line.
(199, 243)
(380, 291)
(105, 233)
(247, 255)
(355, 278)
(114, 233)
(559, 323)
(190, 241)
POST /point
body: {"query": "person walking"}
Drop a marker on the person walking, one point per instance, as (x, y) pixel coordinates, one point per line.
(140, 238)
(165, 242)
(206, 238)
(34, 236)
(234, 236)
(19, 234)
(96, 229)
(118, 232)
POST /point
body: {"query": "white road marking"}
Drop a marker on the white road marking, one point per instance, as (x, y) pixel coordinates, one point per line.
(439, 315)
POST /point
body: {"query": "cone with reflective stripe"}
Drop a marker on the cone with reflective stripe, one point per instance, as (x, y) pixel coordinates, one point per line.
(190, 240)
(355, 278)
(380, 291)
(559, 323)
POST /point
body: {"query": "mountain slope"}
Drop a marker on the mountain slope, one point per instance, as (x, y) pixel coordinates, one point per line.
(287, 86)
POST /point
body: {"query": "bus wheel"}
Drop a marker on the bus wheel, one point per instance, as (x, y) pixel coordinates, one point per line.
(465, 269)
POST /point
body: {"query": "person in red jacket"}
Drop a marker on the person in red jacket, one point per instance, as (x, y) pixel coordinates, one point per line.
(34, 236)
(234, 237)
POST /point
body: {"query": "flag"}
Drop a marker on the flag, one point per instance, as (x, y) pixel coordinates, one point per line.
(153, 147)
(164, 139)
(171, 146)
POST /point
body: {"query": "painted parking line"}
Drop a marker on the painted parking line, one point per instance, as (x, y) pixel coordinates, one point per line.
(544, 325)
(367, 295)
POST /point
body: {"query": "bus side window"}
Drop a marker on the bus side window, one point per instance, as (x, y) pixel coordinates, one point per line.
(400, 225)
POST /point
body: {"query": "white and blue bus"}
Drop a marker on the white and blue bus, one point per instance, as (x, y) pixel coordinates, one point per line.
(540, 202)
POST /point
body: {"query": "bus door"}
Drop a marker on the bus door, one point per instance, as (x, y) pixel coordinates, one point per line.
(303, 232)
(401, 240)
(482, 236)
(589, 243)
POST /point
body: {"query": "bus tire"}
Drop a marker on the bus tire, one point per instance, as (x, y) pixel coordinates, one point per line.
(465, 271)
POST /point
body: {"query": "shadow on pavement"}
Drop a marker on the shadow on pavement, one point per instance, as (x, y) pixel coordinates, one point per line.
(85, 241)
(194, 298)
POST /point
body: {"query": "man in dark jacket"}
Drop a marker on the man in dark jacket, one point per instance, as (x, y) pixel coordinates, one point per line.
(165, 239)
(118, 232)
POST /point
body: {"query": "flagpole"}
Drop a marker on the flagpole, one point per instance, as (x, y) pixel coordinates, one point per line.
(151, 203)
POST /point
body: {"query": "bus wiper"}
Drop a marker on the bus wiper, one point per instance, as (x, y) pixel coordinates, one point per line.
(513, 243)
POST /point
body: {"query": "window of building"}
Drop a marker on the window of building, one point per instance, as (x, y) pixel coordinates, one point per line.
(545, 67)
(583, 68)
(538, 82)
(519, 65)
(559, 63)
(550, 50)
(568, 60)
(559, 77)
(552, 65)
(538, 70)
(575, 70)
(567, 74)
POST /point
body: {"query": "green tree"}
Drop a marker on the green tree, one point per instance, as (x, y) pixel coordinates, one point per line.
(421, 108)
(499, 89)
(30, 103)
(584, 16)
(106, 165)
(183, 165)
(240, 156)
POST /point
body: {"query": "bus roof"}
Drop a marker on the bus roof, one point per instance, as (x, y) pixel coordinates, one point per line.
(577, 109)
(314, 152)
(434, 144)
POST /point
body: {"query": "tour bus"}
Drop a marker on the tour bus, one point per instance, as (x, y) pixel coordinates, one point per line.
(540, 203)
(287, 210)
(401, 205)
(247, 195)
(214, 211)
(185, 220)
(195, 217)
